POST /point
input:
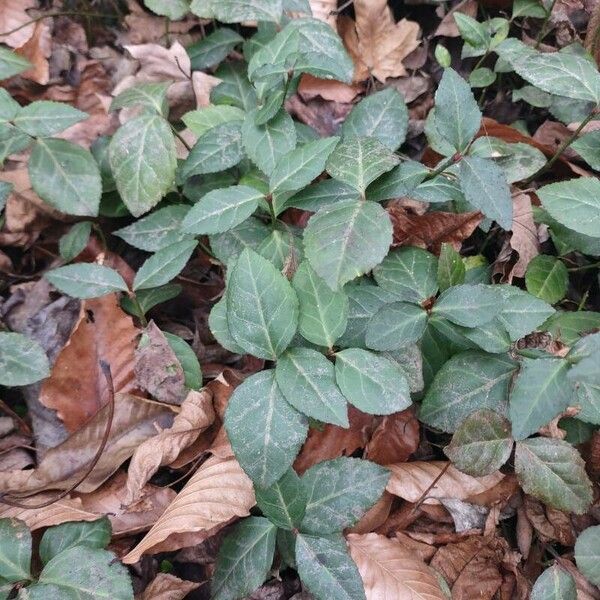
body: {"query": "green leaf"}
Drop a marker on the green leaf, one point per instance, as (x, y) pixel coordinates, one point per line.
(86, 280)
(382, 115)
(238, 11)
(284, 502)
(217, 322)
(216, 150)
(164, 265)
(5, 190)
(321, 194)
(481, 444)
(521, 312)
(587, 553)
(469, 305)
(174, 9)
(212, 49)
(409, 273)
(149, 96)
(74, 242)
(84, 573)
(358, 161)
(346, 240)
(588, 147)
(66, 176)
(265, 432)
(547, 278)
(396, 325)
(249, 234)
(269, 107)
(473, 32)
(281, 248)
(221, 210)
(562, 73)
(554, 472)
(12, 64)
(307, 381)
(569, 326)
(484, 186)
(323, 312)
(15, 550)
(554, 584)
(266, 144)
(400, 181)
(340, 491)
(44, 118)
(482, 77)
(540, 392)
(187, 359)
(457, 116)
(148, 299)
(574, 203)
(451, 269)
(442, 56)
(491, 337)
(371, 382)
(235, 88)
(468, 382)
(262, 307)
(156, 231)
(143, 161)
(12, 141)
(94, 534)
(299, 167)
(327, 570)
(204, 119)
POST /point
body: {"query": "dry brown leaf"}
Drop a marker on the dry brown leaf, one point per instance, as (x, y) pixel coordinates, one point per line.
(524, 239)
(332, 441)
(394, 439)
(329, 89)
(551, 525)
(77, 388)
(168, 587)
(323, 9)
(377, 43)
(157, 369)
(13, 14)
(431, 229)
(448, 25)
(411, 480)
(218, 493)
(203, 83)
(390, 572)
(585, 590)
(37, 50)
(424, 551)
(196, 416)
(135, 420)
(376, 516)
(127, 520)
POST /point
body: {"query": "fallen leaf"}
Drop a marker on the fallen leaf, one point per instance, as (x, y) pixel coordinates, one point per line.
(524, 239)
(37, 50)
(218, 492)
(196, 416)
(329, 89)
(13, 15)
(448, 26)
(323, 9)
(551, 525)
(390, 572)
(203, 83)
(552, 134)
(424, 551)
(134, 421)
(77, 388)
(466, 516)
(168, 587)
(376, 516)
(394, 439)
(413, 479)
(157, 369)
(585, 590)
(376, 42)
(431, 229)
(332, 441)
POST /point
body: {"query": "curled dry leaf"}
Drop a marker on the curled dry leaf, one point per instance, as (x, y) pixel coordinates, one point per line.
(168, 587)
(196, 416)
(135, 420)
(329, 89)
(376, 42)
(13, 14)
(524, 239)
(394, 439)
(37, 50)
(218, 492)
(391, 572)
(104, 332)
(431, 229)
(429, 480)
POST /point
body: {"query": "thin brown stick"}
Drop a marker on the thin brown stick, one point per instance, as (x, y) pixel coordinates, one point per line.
(11, 413)
(111, 412)
(430, 487)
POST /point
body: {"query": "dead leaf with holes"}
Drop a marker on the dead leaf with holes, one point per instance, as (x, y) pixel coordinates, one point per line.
(391, 572)
(376, 42)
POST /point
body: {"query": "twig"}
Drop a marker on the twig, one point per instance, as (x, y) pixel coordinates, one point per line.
(542, 32)
(111, 412)
(11, 413)
(423, 496)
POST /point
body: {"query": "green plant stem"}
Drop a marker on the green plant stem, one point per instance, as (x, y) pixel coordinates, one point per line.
(566, 143)
(542, 33)
(62, 13)
(585, 267)
(136, 303)
(444, 164)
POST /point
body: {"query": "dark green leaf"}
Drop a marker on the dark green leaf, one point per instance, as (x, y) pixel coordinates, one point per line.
(554, 584)
(15, 550)
(395, 326)
(44, 118)
(148, 299)
(12, 64)
(74, 242)
(212, 49)
(587, 553)
(86, 280)
(249, 234)
(400, 181)
(451, 268)
(469, 305)
(204, 119)
(284, 502)
(187, 359)
(149, 96)
(547, 278)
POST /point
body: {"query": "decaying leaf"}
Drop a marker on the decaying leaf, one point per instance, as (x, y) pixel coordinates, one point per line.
(13, 15)
(218, 492)
(196, 415)
(391, 572)
(429, 480)
(77, 388)
(394, 439)
(324, 10)
(524, 239)
(168, 587)
(37, 50)
(448, 25)
(311, 87)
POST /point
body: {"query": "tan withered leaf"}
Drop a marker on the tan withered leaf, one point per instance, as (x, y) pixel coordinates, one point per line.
(168, 587)
(311, 87)
(394, 439)
(218, 492)
(413, 479)
(196, 416)
(376, 516)
(524, 239)
(431, 229)
(77, 388)
(36, 50)
(323, 9)
(390, 572)
(135, 420)
(13, 14)
(376, 42)
(448, 25)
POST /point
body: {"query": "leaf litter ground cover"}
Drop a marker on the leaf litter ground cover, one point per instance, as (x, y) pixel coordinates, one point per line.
(299, 300)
